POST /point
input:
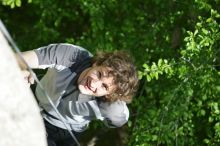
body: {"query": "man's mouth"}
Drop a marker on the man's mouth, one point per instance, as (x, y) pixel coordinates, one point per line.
(88, 83)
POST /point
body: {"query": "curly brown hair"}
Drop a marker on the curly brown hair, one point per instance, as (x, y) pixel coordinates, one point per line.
(123, 71)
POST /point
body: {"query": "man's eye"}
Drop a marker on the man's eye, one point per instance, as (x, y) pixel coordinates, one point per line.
(99, 74)
(105, 86)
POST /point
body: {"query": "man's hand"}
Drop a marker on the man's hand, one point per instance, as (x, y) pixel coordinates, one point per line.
(28, 78)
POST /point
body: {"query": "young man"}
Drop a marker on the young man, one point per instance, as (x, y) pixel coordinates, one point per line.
(82, 87)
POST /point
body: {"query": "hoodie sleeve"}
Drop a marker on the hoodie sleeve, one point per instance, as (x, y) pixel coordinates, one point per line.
(115, 114)
(60, 56)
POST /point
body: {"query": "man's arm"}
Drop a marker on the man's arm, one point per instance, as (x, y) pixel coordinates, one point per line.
(53, 56)
(31, 59)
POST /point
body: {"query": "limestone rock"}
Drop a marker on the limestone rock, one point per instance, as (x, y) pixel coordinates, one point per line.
(20, 120)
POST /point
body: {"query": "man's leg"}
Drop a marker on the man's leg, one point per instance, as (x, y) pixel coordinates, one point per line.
(59, 137)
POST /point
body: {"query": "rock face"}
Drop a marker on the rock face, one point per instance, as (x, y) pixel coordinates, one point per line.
(20, 120)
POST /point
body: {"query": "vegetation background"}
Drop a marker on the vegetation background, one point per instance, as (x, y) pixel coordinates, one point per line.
(176, 47)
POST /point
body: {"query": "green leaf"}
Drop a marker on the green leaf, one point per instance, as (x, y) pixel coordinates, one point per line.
(205, 31)
(145, 65)
(209, 20)
(207, 141)
(148, 78)
(156, 75)
(12, 5)
(160, 61)
(196, 32)
(202, 112)
(140, 75)
(18, 3)
(129, 123)
(154, 137)
(165, 61)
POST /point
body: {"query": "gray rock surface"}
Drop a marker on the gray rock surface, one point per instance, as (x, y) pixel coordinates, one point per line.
(20, 120)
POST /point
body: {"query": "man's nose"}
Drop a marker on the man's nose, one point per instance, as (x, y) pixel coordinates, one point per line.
(96, 83)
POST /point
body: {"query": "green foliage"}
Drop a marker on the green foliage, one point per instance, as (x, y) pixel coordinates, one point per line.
(154, 70)
(12, 3)
(188, 111)
(175, 45)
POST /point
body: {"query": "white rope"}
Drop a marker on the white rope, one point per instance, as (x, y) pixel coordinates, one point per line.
(10, 40)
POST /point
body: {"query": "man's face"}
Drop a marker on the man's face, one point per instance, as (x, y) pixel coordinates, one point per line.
(96, 81)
